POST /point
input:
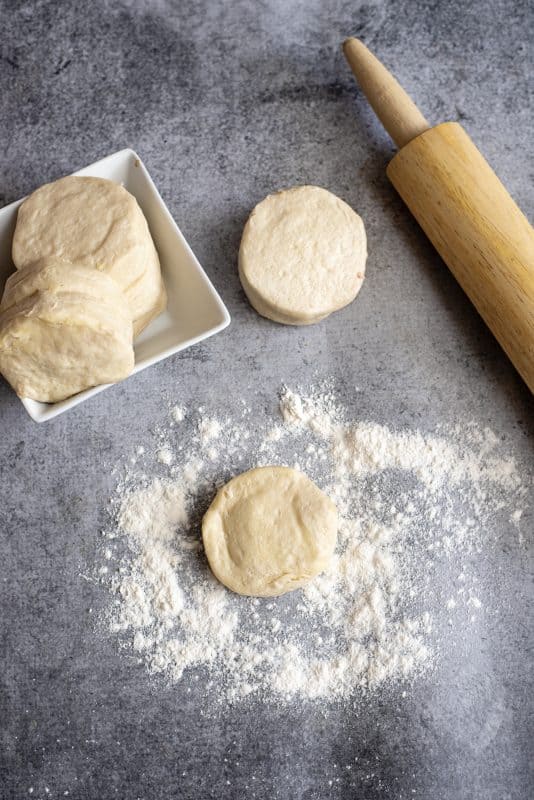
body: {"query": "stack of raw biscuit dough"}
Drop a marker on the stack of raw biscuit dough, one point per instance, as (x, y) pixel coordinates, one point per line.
(88, 280)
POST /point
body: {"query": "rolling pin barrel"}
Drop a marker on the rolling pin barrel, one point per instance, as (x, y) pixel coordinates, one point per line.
(474, 224)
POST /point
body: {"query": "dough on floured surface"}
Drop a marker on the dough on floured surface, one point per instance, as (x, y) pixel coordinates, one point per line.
(63, 328)
(302, 255)
(93, 222)
(269, 531)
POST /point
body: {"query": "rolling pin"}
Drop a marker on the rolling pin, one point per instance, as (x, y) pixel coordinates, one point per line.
(478, 230)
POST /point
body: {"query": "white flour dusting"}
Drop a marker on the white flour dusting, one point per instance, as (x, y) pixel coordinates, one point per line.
(177, 413)
(164, 455)
(407, 502)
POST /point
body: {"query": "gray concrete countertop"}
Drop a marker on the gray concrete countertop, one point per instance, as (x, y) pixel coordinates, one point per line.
(225, 102)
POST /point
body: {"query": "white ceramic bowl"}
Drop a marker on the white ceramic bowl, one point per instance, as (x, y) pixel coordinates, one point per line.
(194, 311)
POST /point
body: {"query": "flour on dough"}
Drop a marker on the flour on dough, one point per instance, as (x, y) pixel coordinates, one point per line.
(268, 531)
(302, 255)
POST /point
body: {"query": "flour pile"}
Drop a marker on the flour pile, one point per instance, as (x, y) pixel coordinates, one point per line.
(406, 500)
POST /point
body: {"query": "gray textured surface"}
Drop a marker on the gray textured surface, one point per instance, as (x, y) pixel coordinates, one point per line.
(226, 102)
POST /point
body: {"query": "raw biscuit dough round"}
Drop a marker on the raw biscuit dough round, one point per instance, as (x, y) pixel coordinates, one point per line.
(63, 328)
(93, 222)
(55, 276)
(302, 255)
(269, 531)
(147, 293)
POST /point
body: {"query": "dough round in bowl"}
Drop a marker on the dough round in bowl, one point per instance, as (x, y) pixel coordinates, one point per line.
(93, 222)
(57, 276)
(268, 531)
(302, 255)
(148, 293)
(63, 328)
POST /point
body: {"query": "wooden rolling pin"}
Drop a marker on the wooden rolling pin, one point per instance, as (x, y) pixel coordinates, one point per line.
(481, 234)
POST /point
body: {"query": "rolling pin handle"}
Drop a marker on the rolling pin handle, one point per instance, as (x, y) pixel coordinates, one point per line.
(395, 109)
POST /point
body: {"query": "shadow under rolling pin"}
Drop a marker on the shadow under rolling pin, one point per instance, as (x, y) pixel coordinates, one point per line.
(478, 230)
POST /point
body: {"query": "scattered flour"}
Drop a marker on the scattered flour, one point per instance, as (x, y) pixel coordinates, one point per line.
(209, 429)
(407, 500)
(164, 455)
(177, 413)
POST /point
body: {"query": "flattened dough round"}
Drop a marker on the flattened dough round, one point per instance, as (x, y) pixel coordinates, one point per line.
(63, 328)
(56, 276)
(302, 255)
(96, 223)
(269, 531)
(147, 296)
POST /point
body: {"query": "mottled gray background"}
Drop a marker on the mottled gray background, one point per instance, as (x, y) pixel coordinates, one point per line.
(226, 102)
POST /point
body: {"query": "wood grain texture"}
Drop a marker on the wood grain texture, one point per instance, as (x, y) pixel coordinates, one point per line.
(477, 228)
(393, 106)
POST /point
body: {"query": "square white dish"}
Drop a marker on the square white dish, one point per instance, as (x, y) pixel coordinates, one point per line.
(194, 309)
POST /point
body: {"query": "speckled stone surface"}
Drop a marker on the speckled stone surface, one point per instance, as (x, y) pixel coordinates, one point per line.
(226, 102)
